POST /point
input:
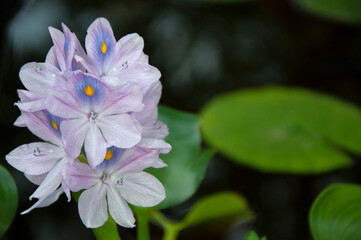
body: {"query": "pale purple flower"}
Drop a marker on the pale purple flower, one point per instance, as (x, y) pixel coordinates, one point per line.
(66, 45)
(105, 100)
(118, 180)
(154, 131)
(41, 162)
(96, 116)
(45, 201)
(39, 78)
(116, 63)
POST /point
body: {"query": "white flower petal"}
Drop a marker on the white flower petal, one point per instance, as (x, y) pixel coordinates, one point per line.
(148, 116)
(135, 160)
(92, 206)
(38, 77)
(58, 40)
(36, 179)
(19, 122)
(160, 164)
(119, 130)
(78, 176)
(46, 201)
(74, 132)
(123, 101)
(142, 189)
(35, 158)
(51, 182)
(119, 209)
(95, 146)
(129, 47)
(155, 144)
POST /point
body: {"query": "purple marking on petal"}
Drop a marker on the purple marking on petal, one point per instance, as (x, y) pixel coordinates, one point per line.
(107, 38)
(112, 161)
(81, 83)
(100, 45)
(54, 123)
(78, 51)
(69, 46)
(38, 124)
(66, 44)
(74, 66)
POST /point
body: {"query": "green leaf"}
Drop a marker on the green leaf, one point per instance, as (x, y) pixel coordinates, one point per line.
(219, 206)
(186, 162)
(336, 213)
(283, 130)
(8, 200)
(342, 10)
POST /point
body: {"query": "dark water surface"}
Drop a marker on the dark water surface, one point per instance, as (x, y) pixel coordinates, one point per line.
(202, 50)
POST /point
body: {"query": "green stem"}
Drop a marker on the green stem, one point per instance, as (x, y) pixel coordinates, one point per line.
(158, 217)
(171, 231)
(142, 225)
(108, 231)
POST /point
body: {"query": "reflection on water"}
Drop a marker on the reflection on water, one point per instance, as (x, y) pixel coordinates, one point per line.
(202, 50)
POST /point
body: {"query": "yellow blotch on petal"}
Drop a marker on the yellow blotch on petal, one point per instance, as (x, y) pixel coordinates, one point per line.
(55, 126)
(109, 155)
(103, 47)
(89, 90)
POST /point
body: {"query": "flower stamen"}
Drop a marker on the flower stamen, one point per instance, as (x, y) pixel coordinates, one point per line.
(93, 116)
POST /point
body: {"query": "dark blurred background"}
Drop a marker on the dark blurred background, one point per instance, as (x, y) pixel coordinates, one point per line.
(202, 49)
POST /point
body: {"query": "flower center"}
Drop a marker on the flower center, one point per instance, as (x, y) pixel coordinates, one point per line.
(104, 177)
(107, 178)
(92, 115)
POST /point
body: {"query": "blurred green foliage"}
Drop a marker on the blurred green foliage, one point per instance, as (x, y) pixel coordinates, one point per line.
(342, 10)
(252, 235)
(224, 1)
(283, 129)
(8, 200)
(216, 208)
(187, 162)
(336, 213)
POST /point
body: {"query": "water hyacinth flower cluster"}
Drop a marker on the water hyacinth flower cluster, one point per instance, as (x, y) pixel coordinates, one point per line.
(96, 111)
